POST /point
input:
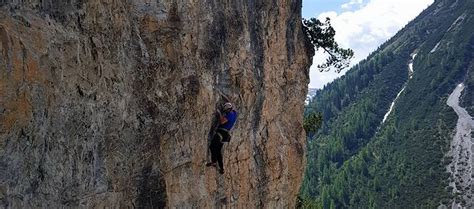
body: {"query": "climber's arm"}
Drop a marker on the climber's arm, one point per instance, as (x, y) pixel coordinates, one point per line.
(222, 119)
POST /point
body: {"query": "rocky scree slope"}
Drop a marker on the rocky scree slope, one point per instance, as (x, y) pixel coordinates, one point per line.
(110, 103)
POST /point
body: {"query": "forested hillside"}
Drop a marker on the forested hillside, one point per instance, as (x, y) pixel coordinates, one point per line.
(358, 160)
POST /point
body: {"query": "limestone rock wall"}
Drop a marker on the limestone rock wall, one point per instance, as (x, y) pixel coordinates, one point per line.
(110, 103)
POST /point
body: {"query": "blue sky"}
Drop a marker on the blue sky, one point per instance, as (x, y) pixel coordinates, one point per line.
(312, 8)
(361, 25)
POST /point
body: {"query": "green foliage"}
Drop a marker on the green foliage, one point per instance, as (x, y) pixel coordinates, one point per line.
(312, 122)
(321, 35)
(355, 160)
(308, 203)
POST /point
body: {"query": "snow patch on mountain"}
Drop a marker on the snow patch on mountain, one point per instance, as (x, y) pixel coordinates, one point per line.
(435, 47)
(458, 22)
(410, 74)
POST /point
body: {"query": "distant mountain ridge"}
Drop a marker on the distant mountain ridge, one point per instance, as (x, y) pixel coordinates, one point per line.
(387, 131)
(310, 95)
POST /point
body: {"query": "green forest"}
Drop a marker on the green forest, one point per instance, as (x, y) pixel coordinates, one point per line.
(357, 161)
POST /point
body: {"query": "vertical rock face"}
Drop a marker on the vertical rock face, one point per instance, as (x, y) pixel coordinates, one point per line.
(110, 103)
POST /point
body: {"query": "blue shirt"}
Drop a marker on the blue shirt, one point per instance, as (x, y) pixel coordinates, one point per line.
(231, 118)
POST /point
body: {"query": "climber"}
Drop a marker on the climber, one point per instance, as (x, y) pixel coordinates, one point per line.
(226, 121)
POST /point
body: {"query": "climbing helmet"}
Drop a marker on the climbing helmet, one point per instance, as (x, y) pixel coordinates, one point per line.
(227, 106)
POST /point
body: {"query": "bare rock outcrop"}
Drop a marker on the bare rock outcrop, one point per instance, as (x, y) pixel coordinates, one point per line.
(110, 103)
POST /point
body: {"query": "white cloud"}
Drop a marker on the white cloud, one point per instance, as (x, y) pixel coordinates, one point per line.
(365, 28)
(351, 4)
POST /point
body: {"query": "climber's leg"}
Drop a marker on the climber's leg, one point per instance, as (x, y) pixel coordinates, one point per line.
(219, 157)
(215, 150)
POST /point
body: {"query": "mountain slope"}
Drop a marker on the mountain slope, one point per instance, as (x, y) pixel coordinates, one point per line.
(358, 160)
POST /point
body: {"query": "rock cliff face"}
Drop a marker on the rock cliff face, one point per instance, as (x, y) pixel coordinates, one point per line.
(110, 103)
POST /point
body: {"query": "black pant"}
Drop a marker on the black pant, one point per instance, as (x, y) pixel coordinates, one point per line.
(216, 147)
